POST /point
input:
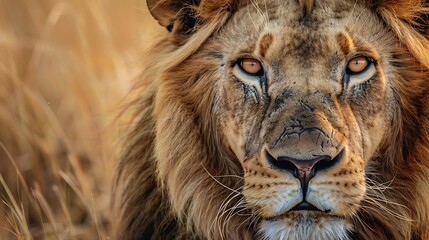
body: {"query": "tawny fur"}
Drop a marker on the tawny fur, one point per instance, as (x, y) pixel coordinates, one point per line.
(178, 179)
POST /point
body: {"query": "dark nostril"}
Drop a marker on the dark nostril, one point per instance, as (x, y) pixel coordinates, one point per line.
(322, 165)
(284, 165)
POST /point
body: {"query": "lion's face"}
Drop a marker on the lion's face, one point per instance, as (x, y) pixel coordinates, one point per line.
(304, 103)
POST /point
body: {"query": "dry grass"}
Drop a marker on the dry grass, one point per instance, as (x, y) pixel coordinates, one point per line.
(64, 68)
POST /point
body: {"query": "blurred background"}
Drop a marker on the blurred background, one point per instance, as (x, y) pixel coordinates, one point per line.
(65, 68)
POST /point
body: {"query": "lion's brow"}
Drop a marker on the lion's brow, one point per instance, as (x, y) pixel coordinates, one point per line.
(345, 42)
(265, 43)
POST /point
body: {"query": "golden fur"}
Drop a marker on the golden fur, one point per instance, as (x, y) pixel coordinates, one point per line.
(192, 165)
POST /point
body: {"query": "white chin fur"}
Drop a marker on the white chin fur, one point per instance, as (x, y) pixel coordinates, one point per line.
(305, 229)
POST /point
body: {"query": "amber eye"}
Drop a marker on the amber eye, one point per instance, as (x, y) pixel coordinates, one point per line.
(251, 66)
(357, 65)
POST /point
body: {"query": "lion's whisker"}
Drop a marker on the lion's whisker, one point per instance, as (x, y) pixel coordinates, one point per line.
(217, 181)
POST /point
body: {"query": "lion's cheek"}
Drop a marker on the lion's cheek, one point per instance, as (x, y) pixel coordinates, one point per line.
(373, 131)
(233, 135)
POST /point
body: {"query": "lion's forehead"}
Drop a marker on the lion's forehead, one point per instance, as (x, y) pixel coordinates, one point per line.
(297, 37)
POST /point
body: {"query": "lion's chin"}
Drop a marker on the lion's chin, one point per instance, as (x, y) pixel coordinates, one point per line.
(305, 225)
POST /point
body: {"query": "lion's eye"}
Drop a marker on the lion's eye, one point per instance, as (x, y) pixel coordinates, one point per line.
(359, 70)
(251, 66)
(357, 65)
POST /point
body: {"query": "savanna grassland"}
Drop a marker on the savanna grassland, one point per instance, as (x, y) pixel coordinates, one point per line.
(65, 69)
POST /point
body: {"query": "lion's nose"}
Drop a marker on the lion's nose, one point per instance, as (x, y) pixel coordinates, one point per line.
(302, 169)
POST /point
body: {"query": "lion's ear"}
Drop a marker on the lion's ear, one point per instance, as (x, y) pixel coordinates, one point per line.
(162, 11)
(184, 16)
(409, 19)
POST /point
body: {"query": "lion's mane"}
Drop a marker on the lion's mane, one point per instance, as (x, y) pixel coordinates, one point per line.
(172, 179)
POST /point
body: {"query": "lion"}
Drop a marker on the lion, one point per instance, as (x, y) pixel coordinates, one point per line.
(267, 119)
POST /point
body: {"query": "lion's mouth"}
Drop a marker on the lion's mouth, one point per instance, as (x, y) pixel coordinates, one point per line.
(303, 207)
(306, 206)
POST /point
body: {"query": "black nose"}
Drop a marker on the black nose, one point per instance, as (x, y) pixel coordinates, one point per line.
(302, 169)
